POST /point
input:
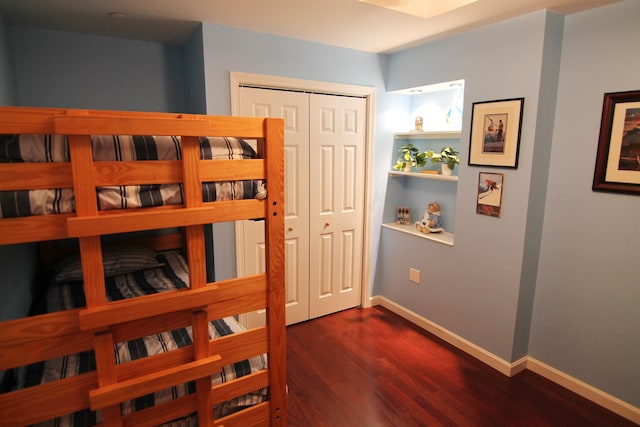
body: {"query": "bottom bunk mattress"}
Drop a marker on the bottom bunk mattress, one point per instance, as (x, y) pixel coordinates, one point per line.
(131, 272)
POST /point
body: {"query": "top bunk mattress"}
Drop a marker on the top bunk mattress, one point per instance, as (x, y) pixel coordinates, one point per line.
(55, 148)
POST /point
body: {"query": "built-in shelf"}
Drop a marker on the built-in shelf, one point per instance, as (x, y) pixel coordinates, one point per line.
(439, 177)
(441, 134)
(444, 237)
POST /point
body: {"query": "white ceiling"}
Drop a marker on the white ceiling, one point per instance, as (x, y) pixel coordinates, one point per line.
(348, 23)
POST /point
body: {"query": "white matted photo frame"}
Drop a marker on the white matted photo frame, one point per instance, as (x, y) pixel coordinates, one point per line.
(489, 200)
(618, 159)
(495, 133)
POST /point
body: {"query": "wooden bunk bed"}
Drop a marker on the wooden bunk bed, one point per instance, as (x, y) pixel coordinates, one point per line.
(101, 323)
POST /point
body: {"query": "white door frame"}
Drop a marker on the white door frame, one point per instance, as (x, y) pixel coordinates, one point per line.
(238, 79)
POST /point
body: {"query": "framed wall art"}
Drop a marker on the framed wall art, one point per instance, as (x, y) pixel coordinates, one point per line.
(403, 215)
(495, 133)
(618, 158)
(489, 200)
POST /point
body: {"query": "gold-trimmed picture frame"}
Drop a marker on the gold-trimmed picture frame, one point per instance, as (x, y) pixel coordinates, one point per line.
(495, 133)
(618, 157)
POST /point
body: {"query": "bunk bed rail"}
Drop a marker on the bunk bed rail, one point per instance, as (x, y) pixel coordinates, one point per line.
(101, 323)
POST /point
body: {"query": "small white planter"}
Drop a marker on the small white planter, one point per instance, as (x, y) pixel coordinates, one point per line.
(445, 170)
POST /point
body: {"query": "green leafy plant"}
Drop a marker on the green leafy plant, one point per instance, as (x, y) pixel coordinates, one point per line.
(447, 155)
(410, 156)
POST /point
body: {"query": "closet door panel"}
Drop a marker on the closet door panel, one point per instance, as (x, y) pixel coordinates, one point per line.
(337, 141)
(326, 181)
(324, 197)
(293, 107)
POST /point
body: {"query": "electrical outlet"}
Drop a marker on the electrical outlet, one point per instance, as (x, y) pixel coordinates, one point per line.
(414, 275)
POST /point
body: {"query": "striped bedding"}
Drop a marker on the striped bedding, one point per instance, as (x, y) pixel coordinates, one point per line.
(173, 274)
(55, 148)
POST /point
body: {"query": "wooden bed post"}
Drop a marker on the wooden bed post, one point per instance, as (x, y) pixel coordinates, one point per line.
(197, 270)
(91, 254)
(274, 232)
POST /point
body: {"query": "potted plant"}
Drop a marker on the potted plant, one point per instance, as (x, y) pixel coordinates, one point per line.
(448, 156)
(411, 158)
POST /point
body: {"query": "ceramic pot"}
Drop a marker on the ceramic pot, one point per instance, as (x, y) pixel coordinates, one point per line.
(445, 170)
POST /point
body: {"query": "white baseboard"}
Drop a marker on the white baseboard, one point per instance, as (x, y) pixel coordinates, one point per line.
(479, 353)
(585, 390)
(591, 393)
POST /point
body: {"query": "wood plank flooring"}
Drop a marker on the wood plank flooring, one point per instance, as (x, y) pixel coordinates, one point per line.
(369, 367)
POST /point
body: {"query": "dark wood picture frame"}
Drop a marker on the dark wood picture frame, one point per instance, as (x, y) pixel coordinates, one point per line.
(618, 158)
(495, 133)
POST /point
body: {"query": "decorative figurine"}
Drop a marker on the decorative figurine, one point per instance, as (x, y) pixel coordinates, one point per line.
(418, 124)
(431, 222)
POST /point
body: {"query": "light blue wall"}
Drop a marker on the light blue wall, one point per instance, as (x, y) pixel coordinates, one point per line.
(539, 178)
(61, 69)
(586, 316)
(15, 285)
(194, 82)
(227, 49)
(472, 289)
(7, 75)
(69, 70)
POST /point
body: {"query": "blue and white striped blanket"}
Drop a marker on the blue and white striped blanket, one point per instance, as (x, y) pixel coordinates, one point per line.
(55, 148)
(172, 275)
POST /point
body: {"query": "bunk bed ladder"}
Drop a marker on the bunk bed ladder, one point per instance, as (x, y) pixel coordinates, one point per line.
(110, 390)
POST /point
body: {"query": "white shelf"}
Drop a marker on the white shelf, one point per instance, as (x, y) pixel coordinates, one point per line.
(438, 177)
(441, 134)
(444, 237)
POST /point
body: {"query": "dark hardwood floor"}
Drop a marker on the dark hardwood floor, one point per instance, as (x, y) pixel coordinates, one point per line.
(370, 367)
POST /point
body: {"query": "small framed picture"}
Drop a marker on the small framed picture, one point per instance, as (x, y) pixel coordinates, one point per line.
(618, 159)
(495, 133)
(403, 217)
(489, 200)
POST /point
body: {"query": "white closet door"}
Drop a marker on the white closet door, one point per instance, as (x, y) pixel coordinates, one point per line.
(337, 141)
(293, 107)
